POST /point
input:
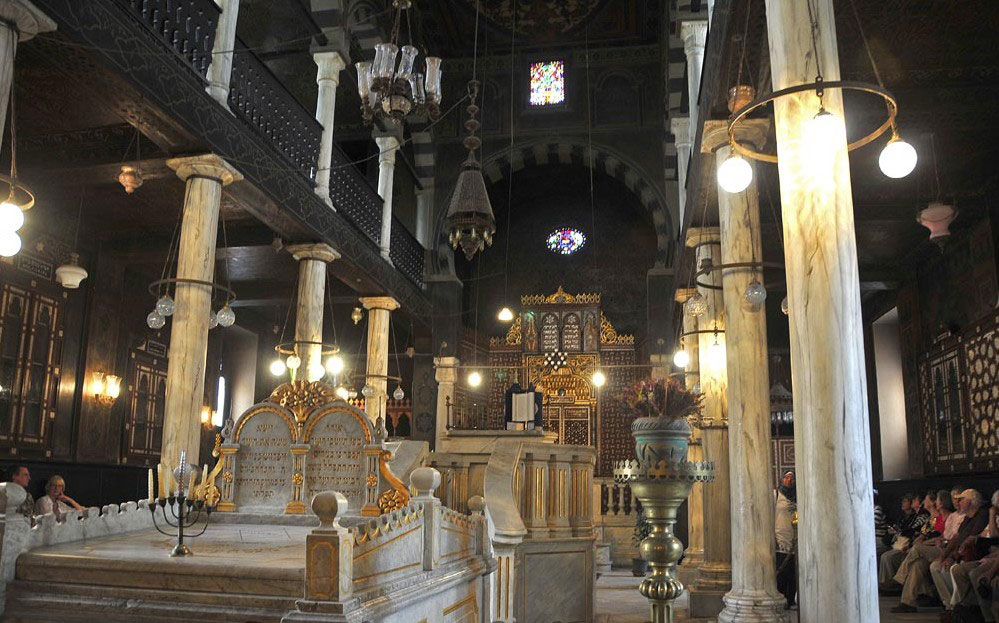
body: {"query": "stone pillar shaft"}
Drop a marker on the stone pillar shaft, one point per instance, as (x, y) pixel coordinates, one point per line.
(387, 146)
(695, 501)
(832, 438)
(220, 69)
(329, 65)
(379, 310)
(754, 595)
(680, 127)
(694, 34)
(312, 259)
(716, 571)
(185, 387)
(446, 373)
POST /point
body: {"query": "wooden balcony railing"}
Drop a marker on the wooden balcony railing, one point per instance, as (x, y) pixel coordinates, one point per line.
(406, 253)
(259, 98)
(185, 26)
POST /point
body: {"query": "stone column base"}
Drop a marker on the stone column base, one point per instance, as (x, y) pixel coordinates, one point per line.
(706, 603)
(753, 607)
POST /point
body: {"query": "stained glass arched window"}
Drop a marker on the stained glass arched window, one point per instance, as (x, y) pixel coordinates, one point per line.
(547, 83)
(565, 240)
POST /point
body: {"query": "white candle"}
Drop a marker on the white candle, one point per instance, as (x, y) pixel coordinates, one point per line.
(150, 488)
(162, 480)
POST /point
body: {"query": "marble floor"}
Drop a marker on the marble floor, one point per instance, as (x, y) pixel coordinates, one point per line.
(617, 601)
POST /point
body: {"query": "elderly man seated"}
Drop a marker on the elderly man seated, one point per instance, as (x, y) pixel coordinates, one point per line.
(918, 588)
(972, 579)
(935, 536)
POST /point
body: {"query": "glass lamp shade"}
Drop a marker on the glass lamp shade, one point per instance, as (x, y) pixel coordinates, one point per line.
(363, 79)
(897, 159)
(217, 419)
(155, 320)
(755, 293)
(474, 379)
(735, 174)
(11, 217)
(294, 362)
(367, 391)
(398, 394)
(696, 305)
(226, 316)
(681, 358)
(784, 306)
(278, 368)
(433, 79)
(505, 315)
(406, 60)
(823, 129)
(334, 364)
(599, 379)
(213, 320)
(165, 305)
(10, 244)
(384, 65)
(342, 393)
(315, 372)
(70, 274)
(416, 86)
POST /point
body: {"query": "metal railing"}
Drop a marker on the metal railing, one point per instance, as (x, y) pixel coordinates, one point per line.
(406, 253)
(259, 98)
(354, 197)
(185, 26)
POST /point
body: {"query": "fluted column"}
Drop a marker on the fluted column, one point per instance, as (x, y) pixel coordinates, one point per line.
(19, 21)
(387, 147)
(312, 260)
(205, 176)
(379, 310)
(694, 34)
(328, 68)
(694, 554)
(680, 127)
(832, 437)
(220, 69)
(754, 595)
(715, 576)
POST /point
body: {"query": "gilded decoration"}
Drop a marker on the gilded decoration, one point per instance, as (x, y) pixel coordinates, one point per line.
(298, 479)
(300, 397)
(391, 500)
(372, 480)
(608, 335)
(399, 492)
(227, 478)
(560, 297)
(513, 336)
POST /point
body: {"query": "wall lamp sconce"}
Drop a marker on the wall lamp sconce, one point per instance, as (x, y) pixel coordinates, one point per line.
(210, 417)
(106, 388)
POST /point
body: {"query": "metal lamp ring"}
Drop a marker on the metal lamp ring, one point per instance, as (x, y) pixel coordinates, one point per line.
(714, 267)
(230, 295)
(288, 348)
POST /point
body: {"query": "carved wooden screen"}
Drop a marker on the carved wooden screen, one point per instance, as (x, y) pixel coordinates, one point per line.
(30, 350)
(943, 412)
(981, 359)
(147, 401)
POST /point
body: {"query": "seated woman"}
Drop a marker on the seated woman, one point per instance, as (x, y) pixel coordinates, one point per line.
(55, 500)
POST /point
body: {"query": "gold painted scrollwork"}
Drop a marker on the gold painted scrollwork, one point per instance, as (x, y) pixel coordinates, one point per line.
(392, 500)
(301, 397)
(396, 497)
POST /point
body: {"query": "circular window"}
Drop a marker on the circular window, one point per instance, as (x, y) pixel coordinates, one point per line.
(565, 240)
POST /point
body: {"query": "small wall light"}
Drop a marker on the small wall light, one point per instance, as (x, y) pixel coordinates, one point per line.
(106, 388)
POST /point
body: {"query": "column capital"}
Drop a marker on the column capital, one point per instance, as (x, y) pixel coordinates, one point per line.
(28, 18)
(329, 64)
(680, 127)
(379, 302)
(205, 165)
(697, 236)
(694, 33)
(446, 369)
(749, 131)
(387, 147)
(313, 251)
(682, 294)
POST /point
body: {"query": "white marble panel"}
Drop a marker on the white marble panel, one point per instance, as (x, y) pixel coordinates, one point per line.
(263, 475)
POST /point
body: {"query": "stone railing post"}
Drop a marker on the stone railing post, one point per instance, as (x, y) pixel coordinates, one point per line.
(558, 496)
(328, 551)
(535, 492)
(580, 500)
(446, 373)
(425, 480)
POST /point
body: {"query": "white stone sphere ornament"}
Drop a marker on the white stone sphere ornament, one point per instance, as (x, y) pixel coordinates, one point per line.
(165, 305)
(226, 316)
(398, 394)
(155, 320)
(755, 294)
(735, 174)
(898, 158)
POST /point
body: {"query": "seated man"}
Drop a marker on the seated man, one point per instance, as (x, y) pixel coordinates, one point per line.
(918, 589)
(55, 500)
(934, 538)
(892, 559)
(971, 578)
(20, 476)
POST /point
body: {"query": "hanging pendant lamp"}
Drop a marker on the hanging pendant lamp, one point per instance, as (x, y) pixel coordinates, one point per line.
(470, 221)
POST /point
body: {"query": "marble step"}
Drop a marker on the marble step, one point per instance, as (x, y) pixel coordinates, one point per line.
(170, 574)
(44, 602)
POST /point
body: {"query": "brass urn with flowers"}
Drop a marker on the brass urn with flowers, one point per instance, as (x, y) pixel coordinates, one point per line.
(661, 479)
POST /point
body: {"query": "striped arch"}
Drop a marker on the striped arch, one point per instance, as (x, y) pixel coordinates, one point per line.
(567, 151)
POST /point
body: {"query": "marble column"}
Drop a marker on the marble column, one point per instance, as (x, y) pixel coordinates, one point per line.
(660, 364)
(832, 438)
(20, 20)
(424, 214)
(695, 501)
(680, 127)
(220, 69)
(387, 148)
(715, 577)
(205, 176)
(328, 67)
(379, 311)
(754, 595)
(311, 301)
(694, 34)
(446, 373)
